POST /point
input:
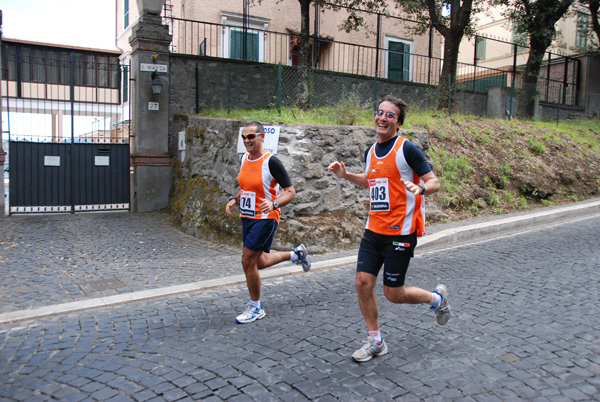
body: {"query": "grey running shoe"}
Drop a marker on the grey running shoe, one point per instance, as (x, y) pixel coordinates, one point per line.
(368, 351)
(303, 259)
(442, 313)
(250, 315)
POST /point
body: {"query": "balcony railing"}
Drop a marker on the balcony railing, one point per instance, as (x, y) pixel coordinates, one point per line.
(210, 39)
(206, 39)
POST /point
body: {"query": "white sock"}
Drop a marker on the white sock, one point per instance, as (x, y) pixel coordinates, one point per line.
(376, 335)
(294, 256)
(255, 303)
(436, 300)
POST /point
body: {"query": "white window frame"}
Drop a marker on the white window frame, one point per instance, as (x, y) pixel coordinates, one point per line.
(386, 45)
(234, 21)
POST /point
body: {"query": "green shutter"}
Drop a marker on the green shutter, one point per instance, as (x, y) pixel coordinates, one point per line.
(236, 49)
(480, 49)
(125, 14)
(125, 83)
(399, 61)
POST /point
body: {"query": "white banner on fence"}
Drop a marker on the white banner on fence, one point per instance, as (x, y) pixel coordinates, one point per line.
(270, 141)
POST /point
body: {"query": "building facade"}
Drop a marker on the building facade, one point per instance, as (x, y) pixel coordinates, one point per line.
(384, 45)
(502, 54)
(494, 43)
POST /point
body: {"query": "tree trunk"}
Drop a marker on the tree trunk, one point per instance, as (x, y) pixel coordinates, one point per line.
(447, 86)
(303, 51)
(540, 21)
(529, 94)
(460, 17)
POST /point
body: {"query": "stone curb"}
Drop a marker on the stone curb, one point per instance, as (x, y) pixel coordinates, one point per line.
(440, 239)
(480, 231)
(109, 301)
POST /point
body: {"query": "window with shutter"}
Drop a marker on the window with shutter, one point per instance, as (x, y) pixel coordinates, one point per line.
(237, 45)
(398, 60)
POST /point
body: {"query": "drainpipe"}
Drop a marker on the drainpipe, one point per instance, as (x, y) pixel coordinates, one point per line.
(378, 37)
(245, 20)
(315, 62)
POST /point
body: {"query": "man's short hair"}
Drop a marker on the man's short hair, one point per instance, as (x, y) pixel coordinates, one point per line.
(258, 126)
(402, 105)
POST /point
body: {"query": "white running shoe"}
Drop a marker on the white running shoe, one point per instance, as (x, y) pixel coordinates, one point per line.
(250, 315)
(369, 351)
(442, 313)
(302, 253)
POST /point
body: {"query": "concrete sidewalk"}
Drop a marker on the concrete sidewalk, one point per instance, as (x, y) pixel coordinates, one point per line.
(218, 255)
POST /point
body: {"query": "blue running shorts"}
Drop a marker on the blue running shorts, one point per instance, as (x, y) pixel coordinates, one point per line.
(258, 234)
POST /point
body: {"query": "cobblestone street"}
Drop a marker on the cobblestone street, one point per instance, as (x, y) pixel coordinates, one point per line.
(524, 326)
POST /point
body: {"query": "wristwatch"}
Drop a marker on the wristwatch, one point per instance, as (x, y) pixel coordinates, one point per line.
(233, 197)
(275, 205)
(422, 186)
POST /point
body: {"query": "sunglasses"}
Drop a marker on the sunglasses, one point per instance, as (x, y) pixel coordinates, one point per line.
(389, 115)
(250, 136)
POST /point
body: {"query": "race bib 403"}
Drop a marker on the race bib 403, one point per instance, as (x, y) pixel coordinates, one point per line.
(379, 193)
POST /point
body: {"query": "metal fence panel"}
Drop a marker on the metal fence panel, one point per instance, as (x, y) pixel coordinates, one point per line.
(62, 117)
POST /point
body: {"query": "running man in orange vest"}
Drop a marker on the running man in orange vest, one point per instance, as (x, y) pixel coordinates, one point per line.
(398, 176)
(261, 177)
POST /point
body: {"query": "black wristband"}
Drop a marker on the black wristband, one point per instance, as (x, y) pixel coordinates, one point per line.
(233, 197)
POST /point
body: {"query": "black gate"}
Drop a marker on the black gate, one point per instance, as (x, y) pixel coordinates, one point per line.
(53, 177)
(68, 129)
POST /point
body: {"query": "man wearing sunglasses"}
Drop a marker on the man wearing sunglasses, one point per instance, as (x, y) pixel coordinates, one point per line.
(261, 177)
(398, 176)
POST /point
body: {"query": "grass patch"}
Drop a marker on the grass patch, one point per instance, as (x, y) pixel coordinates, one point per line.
(483, 138)
(452, 171)
(536, 146)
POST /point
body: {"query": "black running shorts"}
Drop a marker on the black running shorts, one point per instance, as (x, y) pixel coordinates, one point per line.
(391, 252)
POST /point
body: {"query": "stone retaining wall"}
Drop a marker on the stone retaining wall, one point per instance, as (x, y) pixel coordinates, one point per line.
(326, 212)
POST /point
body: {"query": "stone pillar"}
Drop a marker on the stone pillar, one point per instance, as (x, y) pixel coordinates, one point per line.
(152, 164)
(499, 102)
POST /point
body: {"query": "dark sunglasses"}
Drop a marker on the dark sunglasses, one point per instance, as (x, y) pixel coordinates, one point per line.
(389, 115)
(250, 136)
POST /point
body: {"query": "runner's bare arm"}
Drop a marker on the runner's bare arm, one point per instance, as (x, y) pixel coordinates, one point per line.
(289, 193)
(231, 203)
(339, 169)
(432, 184)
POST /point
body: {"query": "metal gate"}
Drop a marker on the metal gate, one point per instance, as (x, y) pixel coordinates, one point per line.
(46, 177)
(68, 131)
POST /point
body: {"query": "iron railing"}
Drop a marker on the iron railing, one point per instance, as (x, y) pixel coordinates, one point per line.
(62, 100)
(206, 39)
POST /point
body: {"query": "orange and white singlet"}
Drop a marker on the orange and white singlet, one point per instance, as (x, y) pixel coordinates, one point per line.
(393, 209)
(257, 183)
